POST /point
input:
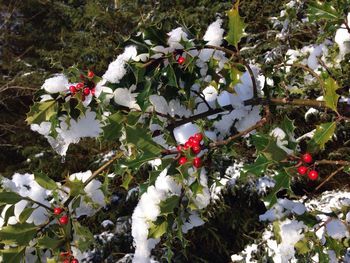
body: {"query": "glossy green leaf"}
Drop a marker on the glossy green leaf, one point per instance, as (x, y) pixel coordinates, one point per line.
(258, 167)
(167, 206)
(25, 214)
(302, 246)
(236, 26)
(322, 10)
(86, 238)
(142, 98)
(9, 198)
(331, 97)
(13, 255)
(273, 152)
(324, 133)
(282, 179)
(51, 243)
(156, 231)
(19, 234)
(126, 181)
(44, 181)
(41, 111)
(113, 130)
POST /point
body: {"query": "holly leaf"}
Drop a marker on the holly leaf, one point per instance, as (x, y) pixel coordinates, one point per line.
(168, 205)
(324, 133)
(147, 148)
(273, 152)
(157, 230)
(302, 246)
(126, 181)
(25, 214)
(13, 255)
(258, 167)
(19, 234)
(142, 98)
(236, 26)
(113, 130)
(322, 10)
(44, 181)
(48, 242)
(282, 180)
(9, 198)
(331, 97)
(41, 111)
(86, 238)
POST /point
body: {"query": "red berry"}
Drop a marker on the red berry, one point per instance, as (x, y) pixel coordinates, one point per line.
(86, 91)
(72, 89)
(64, 220)
(66, 261)
(195, 142)
(79, 85)
(182, 160)
(181, 60)
(196, 149)
(313, 175)
(74, 260)
(64, 254)
(197, 162)
(188, 145)
(57, 211)
(307, 158)
(190, 139)
(90, 74)
(81, 76)
(198, 136)
(302, 170)
(179, 148)
(93, 90)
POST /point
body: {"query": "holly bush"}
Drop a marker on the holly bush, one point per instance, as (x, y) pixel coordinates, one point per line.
(189, 119)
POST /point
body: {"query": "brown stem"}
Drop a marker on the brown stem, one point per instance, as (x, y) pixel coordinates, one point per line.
(329, 177)
(243, 133)
(313, 73)
(333, 162)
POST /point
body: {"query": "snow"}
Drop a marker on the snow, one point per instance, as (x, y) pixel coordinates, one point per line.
(264, 183)
(26, 186)
(342, 38)
(283, 208)
(337, 229)
(193, 221)
(183, 132)
(175, 37)
(281, 139)
(58, 83)
(117, 69)
(214, 33)
(126, 97)
(148, 210)
(93, 198)
(291, 233)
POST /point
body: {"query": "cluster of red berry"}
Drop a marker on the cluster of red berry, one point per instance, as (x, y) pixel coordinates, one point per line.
(194, 144)
(86, 87)
(312, 174)
(64, 221)
(67, 258)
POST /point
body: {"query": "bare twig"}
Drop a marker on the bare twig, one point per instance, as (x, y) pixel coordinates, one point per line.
(333, 162)
(329, 177)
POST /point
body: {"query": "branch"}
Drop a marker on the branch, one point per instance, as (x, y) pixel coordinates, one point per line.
(329, 177)
(243, 133)
(333, 162)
